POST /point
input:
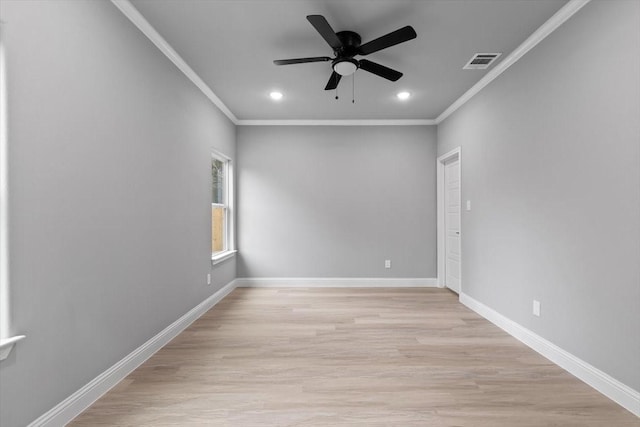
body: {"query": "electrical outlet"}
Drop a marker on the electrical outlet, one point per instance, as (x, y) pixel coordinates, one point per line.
(536, 308)
(209, 279)
(387, 263)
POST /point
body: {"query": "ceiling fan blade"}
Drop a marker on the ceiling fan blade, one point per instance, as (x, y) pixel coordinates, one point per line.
(396, 37)
(380, 70)
(333, 81)
(322, 26)
(301, 60)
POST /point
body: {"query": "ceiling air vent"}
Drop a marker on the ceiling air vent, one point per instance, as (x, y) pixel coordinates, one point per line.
(481, 61)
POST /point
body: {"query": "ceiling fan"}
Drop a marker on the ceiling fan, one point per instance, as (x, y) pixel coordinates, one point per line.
(346, 45)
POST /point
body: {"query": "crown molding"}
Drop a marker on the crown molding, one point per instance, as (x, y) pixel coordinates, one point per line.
(147, 29)
(411, 122)
(559, 18)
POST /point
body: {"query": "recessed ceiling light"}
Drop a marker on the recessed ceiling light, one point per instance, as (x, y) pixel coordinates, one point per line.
(276, 96)
(403, 95)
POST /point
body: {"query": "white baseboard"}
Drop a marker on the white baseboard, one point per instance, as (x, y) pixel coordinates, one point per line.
(72, 406)
(334, 282)
(620, 393)
(75, 404)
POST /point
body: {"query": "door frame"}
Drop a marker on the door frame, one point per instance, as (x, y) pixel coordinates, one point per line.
(454, 154)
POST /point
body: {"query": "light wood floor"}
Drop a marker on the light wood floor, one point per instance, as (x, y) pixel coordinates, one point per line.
(342, 357)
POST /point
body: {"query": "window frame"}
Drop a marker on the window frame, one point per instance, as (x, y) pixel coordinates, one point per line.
(229, 249)
(7, 339)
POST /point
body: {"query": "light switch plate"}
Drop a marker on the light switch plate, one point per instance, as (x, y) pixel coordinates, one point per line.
(468, 205)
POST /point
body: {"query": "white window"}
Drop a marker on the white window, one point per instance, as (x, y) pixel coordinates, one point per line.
(222, 243)
(6, 339)
(4, 198)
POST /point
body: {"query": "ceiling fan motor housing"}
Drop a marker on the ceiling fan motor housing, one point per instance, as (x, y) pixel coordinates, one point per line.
(350, 44)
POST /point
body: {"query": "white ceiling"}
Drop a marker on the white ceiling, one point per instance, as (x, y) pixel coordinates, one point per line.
(231, 44)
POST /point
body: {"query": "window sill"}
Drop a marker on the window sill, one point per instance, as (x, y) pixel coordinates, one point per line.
(6, 345)
(222, 256)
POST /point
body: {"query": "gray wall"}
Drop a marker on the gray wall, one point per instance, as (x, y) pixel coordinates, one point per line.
(323, 201)
(551, 163)
(110, 197)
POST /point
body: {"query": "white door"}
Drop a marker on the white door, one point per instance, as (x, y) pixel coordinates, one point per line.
(452, 224)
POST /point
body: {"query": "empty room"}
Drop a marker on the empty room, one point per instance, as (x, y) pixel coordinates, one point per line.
(320, 213)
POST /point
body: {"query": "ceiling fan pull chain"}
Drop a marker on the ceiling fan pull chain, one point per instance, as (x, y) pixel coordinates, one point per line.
(336, 92)
(353, 88)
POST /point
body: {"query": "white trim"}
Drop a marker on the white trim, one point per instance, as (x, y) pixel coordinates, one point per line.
(147, 29)
(74, 405)
(231, 207)
(440, 243)
(334, 282)
(219, 155)
(7, 341)
(5, 309)
(620, 393)
(6, 345)
(222, 256)
(559, 18)
(408, 122)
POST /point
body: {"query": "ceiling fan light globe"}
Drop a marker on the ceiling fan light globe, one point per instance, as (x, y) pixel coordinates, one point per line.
(345, 67)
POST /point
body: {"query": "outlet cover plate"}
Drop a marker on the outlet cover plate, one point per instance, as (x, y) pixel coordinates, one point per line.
(536, 308)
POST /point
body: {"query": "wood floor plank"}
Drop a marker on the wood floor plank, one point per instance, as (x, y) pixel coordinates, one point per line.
(344, 357)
